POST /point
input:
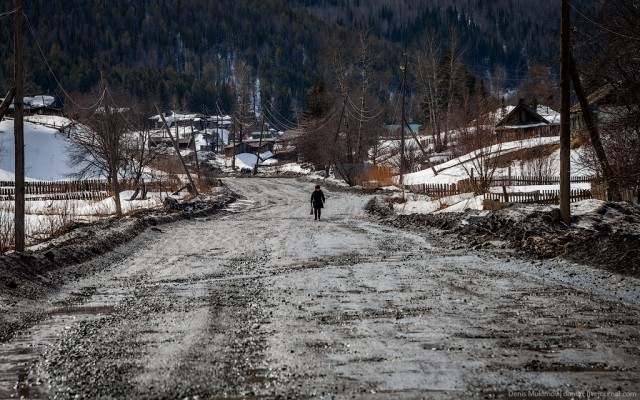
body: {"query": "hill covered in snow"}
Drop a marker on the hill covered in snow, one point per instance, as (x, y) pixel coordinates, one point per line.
(45, 150)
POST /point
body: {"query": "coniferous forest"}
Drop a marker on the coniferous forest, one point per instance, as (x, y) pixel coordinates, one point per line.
(187, 54)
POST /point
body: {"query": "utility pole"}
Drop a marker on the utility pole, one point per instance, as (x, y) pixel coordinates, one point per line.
(18, 128)
(255, 167)
(177, 147)
(195, 151)
(404, 82)
(565, 106)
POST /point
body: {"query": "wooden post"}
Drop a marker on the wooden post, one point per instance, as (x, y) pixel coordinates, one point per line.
(175, 145)
(565, 108)
(195, 151)
(506, 195)
(404, 75)
(19, 131)
(255, 167)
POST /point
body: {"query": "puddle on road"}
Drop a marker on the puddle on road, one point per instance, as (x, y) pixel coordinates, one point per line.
(18, 356)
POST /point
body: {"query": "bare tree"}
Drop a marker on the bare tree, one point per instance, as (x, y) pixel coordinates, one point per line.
(138, 154)
(538, 87)
(100, 140)
(440, 78)
(477, 141)
(344, 132)
(427, 78)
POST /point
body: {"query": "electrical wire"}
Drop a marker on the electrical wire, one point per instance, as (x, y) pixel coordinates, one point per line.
(44, 58)
(8, 13)
(604, 28)
(280, 120)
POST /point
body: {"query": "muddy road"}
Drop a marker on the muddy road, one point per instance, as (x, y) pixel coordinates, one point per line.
(261, 301)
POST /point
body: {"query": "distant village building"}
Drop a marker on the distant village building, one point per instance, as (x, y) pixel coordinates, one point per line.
(393, 130)
(524, 122)
(249, 146)
(286, 147)
(606, 104)
(39, 105)
(184, 126)
(268, 134)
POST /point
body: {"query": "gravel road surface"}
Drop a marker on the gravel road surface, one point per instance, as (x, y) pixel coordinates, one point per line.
(259, 301)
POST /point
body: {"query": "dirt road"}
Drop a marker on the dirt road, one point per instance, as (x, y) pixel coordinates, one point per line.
(261, 301)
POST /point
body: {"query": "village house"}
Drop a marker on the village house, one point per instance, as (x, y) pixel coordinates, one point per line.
(268, 134)
(607, 103)
(524, 122)
(249, 146)
(286, 146)
(39, 105)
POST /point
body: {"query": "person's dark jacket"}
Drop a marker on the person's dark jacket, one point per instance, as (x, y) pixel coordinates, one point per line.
(317, 199)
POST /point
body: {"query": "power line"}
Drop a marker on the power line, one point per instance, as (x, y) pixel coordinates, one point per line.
(44, 58)
(8, 13)
(604, 28)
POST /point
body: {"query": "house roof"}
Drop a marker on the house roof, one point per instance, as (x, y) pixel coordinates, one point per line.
(39, 101)
(610, 94)
(524, 116)
(391, 128)
(291, 135)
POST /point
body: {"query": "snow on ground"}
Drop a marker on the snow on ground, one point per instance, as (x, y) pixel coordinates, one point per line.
(46, 159)
(422, 204)
(45, 152)
(458, 168)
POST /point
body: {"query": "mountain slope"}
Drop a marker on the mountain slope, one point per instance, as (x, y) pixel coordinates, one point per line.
(186, 54)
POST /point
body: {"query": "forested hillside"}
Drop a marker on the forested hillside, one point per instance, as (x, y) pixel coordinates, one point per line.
(186, 54)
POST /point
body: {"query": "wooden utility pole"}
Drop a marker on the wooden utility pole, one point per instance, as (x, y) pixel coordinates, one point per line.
(255, 167)
(19, 131)
(175, 146)
(195, 150)
(613, 190)
(404, 82)
(565, 108)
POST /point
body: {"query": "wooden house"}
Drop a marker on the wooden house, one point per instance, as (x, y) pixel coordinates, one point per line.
(286, 146)
(237, 148)
(524, 122)
(608, 103)
(39, 105)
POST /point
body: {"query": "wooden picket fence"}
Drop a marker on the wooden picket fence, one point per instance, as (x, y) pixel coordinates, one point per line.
(91, 189)
(538, 196)
(435, 189)
(463, 186)
(58, 190)
(524, 180)
(599, 192)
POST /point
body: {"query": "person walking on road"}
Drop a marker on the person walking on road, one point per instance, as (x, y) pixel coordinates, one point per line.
(317, 202)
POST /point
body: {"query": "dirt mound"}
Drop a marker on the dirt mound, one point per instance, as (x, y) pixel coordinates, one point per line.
(607, 238)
